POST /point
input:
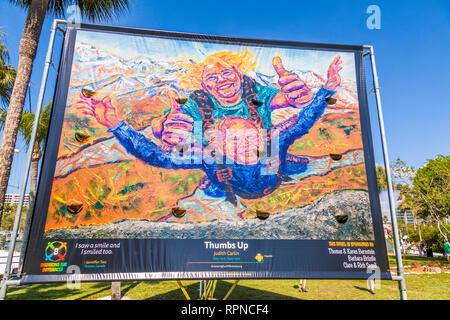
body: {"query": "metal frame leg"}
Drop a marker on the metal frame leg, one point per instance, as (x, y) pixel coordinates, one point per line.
(231, 289)
(183, 289)
(400, 272)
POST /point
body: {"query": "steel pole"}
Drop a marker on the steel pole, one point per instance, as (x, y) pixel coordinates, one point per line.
(12, 244)
(398, 256)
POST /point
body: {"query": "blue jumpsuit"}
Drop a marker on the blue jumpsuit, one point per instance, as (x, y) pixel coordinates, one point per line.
(247, 181)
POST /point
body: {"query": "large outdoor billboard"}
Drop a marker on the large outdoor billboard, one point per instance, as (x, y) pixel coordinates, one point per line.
(183, 156)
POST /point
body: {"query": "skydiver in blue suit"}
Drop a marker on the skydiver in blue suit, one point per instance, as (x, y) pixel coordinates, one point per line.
(241, 159)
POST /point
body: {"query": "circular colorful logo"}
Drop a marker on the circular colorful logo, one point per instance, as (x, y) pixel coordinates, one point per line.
(55, 251)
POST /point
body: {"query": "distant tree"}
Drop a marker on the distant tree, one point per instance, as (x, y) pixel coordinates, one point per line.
(7, 73)
(431, 188)
(401, 175)
(37, 10)
(25, 130)
(8, 218)
(407, 202)
(381, 179)
(431, 236)
(427, 191)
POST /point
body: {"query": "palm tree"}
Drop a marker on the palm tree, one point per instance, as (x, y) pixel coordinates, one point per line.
(381, 179)
(408, 202)
(37, 10)
(7, 78)
(7, 73)
(25, 130)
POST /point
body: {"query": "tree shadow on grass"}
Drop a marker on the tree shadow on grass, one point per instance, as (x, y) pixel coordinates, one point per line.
(239, 293)
(54, 291)
(127, 286)
(92, 294)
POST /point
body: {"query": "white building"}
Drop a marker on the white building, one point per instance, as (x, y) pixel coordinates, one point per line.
(13, 198)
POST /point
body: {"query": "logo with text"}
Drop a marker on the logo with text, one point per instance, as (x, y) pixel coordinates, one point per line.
(55, 253)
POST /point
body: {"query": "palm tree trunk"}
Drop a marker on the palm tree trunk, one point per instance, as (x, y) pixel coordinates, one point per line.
(37, 154)
(27, 53)
(439, 228)
(418, 225)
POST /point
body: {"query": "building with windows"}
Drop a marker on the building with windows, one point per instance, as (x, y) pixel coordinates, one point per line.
(13, 198)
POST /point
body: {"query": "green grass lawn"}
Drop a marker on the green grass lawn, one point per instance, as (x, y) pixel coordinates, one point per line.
(419, 287)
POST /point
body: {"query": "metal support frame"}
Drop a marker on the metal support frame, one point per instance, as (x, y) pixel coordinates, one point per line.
(209, 285)
(183, 289)
(207, 289)
(48, 61)
(398, 257)
(231, 289)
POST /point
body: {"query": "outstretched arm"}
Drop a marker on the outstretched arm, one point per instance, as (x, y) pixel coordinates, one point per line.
(143, 148)
(135, 143)
(171, 129)
(307, 117)
(311, 113)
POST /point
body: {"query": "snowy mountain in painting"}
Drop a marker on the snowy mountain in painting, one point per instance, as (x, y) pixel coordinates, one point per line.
(100, 69)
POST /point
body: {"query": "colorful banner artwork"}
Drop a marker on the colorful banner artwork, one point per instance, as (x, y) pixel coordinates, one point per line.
(174, 156)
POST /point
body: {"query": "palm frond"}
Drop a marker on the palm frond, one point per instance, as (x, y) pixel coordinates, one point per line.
(2, 118)
(7, 73)
(4, 54)
(93, 10)
(26, 124)
(7, 78)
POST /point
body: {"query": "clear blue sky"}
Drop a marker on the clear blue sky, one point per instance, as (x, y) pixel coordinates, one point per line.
(412, 54)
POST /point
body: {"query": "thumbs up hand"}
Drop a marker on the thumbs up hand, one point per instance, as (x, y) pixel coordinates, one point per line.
(175, 127)
(334, 79)
(102, 110)
(294, 92)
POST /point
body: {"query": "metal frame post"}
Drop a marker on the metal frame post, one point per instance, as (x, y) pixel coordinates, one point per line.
(398, 257)
(12, 244)
(183, 289)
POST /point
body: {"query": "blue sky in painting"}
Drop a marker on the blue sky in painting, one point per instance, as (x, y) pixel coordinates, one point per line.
(130, 47)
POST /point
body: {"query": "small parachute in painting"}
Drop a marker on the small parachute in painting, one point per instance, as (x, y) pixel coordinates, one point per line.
(81, 136)
(178, 212)
(262, 215)
(75, 206)
(331, 101)
(181, 100)
(341, 218)
(87, 92)
(256, 102)
(336, 156)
